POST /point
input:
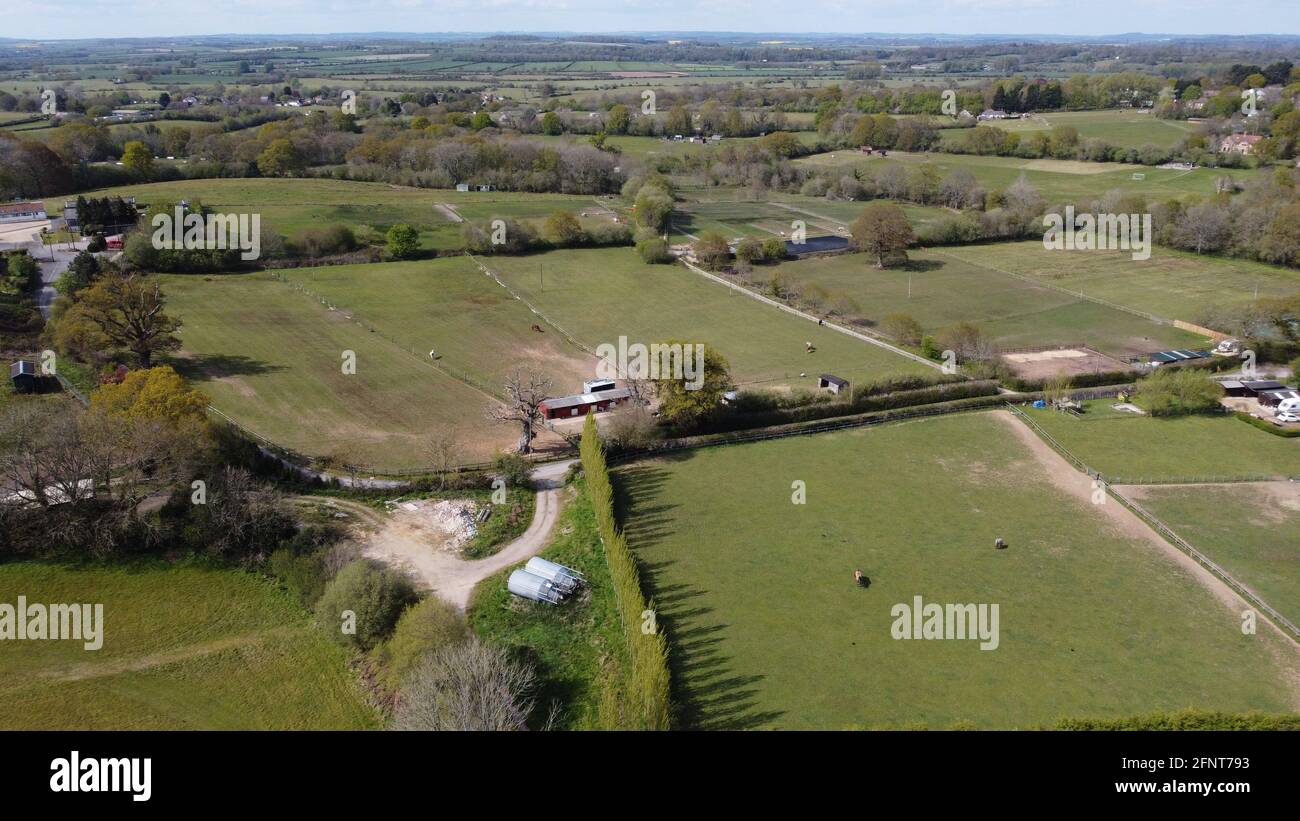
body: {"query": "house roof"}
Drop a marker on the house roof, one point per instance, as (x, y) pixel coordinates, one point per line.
(835, 380)
(22, 366)
(10, 208)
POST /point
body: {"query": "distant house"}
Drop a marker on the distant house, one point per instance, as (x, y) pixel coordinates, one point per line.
(568, 407)
(22, 211)
(23, 374)
(1239, 143)
(832, 383)
(992, 114)
(462, 186)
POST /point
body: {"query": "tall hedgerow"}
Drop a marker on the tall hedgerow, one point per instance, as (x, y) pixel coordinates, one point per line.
(649, 685)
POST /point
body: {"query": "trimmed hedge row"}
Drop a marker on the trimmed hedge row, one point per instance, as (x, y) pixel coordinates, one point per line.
(1266, 426)
(941, 392)
(1186, 720)
(1083, 380)
(648, 687)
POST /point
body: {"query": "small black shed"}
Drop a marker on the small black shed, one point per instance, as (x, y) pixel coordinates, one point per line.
(833, 383)
(23, 374)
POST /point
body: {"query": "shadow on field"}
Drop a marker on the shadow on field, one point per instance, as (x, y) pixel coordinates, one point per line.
(707, 694)
(200, 367)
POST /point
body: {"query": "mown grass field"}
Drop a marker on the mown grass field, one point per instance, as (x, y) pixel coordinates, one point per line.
(1250, 529)
(707, 210)
(1056, 180)
(1125, 128)
(291, 205)
(1131, 449)
(939, 288)
(769, 630)
(272, 357)
(1171, 284)
(185, 647)
(599, 295)
(448, 305)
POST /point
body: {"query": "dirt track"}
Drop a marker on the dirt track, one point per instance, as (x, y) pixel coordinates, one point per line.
(453, 578)
(1076, 484)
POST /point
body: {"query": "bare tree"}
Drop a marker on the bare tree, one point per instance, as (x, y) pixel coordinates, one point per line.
(524, 396)
(466, 686)
(443, 452)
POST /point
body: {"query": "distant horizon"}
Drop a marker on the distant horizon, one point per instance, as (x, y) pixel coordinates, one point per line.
(59, 20)
(468, 34)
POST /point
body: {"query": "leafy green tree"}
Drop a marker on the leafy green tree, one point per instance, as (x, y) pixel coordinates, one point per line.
(903, 328)
(1175, 391)
(882, 230)
(618, 119)
(653, 250)
(480, 121)
(80, 273)
(711, 250)
(552, 125)
(680, 403)
(403, 241)
(360, 607)
(750, 249)
(563, 229)
(138, 157)
(774, 249)
(280, 158)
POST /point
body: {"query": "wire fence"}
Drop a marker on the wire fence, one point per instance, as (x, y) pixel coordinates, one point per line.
(1160, 527)
(404, 347)
(1062, 290)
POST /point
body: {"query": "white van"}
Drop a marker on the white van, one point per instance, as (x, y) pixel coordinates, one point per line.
(1288, 410)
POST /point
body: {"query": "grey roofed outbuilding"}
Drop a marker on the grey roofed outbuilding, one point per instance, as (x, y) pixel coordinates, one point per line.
(832, 379)
(22, 367)
(1261, 385)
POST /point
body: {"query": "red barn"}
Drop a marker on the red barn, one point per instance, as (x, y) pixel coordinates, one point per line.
(568, 407)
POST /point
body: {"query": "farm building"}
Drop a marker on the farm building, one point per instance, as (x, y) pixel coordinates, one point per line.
(1271, 399)
(992, 114)
(1239, 143)
(1181, 355)
(1233, 387)
(565, 407)
(832, 383)
(23, 374)
(22, 211)
(1260, 386)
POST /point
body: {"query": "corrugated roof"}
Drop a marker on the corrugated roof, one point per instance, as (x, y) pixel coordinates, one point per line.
(586, 398)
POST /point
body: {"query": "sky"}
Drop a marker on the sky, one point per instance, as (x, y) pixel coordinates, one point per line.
(50, 19)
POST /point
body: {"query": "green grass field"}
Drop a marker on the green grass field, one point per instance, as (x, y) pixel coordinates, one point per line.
(599, 295)
(938, 288)
(185, 647)
(769, 630)
(1120, 127)
(1131, 449)
(291, 205)
(1249, 529)
(1056, 180)
(1171, 284)
(448, 305)
(271, 357)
